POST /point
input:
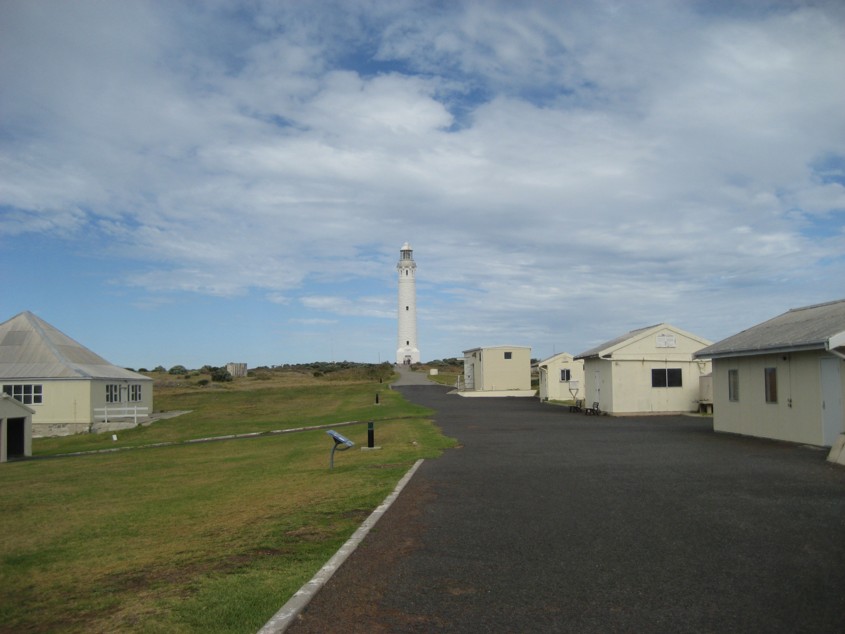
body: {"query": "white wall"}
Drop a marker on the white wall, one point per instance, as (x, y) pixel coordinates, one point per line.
(622, 383)
(797, 415)
(551, 387)
(633, 392)
(491, 371)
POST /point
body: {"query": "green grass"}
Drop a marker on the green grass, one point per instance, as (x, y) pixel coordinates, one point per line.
(244, 407)
(210, 537)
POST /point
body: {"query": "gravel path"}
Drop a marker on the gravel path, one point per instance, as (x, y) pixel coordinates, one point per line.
(550, 521)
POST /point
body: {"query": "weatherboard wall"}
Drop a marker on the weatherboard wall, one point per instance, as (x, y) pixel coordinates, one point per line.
(68, 406)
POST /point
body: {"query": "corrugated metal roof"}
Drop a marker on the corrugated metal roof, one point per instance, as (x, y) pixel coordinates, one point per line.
(807, 328)
(30, 348)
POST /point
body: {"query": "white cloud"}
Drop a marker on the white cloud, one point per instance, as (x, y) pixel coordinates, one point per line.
(549, 162)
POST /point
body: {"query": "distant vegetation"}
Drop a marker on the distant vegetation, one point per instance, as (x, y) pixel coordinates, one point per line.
(179, 375)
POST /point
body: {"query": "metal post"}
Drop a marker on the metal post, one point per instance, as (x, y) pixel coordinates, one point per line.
(371, 435)
(376, 398)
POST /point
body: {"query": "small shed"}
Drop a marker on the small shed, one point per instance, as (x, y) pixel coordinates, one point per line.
(15, 428)
(650, 370)
(784, 378)
(497, 371)
(561, 378)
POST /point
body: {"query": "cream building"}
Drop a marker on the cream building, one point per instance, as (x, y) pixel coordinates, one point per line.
(497, 371)
(646, 371)
(783, 379)
(561, 378)
(69, 388)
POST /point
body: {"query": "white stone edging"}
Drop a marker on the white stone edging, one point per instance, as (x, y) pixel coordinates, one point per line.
(290, 610)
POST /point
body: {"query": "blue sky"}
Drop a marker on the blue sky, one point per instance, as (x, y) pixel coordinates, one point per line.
(197, 183)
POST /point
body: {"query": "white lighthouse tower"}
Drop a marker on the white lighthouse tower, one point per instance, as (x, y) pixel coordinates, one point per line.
(406, 349)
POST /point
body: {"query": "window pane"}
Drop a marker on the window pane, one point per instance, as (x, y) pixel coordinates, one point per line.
(771, 375)
(674, 377)
(733, 385)
(508, 355)
(658, 378)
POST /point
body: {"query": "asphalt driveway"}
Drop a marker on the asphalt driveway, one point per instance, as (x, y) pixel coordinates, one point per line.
(550, 521)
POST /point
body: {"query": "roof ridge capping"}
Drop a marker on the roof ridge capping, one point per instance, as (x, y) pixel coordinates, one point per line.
(820, 305)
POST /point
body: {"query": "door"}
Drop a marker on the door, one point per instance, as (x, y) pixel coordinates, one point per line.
(15, 435)
(595, 389)
(831, 400)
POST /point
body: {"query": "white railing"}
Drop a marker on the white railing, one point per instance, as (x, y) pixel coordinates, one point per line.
(132, 412)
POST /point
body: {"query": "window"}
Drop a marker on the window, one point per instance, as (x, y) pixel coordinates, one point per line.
(771, 377)
(112, 393)
(667, 377)
(733, 385)
(27, 394)
(565, 374)
(508, 355)
(134, 393)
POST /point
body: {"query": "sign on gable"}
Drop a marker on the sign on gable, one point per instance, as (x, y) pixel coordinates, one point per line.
(665, 340)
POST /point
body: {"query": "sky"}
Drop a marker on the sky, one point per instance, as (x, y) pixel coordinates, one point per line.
(196, 183)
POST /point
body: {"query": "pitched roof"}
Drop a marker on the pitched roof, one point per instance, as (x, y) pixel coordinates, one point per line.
(817, 327)
(30, 348)
(554, 357)
(609, 347)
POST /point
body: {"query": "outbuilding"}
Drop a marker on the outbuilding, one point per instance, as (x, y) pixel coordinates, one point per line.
(784, 378)
(15, 429)
(646, 371)
(561, 378)
(497, 371)
(69, 388)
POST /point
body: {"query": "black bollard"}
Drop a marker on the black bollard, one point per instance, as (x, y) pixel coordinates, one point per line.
(376, 398)
(371, 435)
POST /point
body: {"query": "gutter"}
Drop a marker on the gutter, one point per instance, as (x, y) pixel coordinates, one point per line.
(836, 341)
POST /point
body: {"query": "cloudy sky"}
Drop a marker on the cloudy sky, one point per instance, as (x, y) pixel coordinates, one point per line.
(203, 182)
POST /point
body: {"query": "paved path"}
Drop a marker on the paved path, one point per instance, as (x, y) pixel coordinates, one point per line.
(546, 521)
(409, 377)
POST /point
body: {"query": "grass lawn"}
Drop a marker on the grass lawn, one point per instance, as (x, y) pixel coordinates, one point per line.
(210, 537)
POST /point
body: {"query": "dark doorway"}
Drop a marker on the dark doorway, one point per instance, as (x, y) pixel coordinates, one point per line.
(15, 437)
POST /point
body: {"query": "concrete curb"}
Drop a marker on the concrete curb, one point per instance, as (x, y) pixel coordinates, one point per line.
(297, 603)
(837, 451)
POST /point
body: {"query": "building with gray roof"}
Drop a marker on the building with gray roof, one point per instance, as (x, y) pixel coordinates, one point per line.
(783, 378)
(69, 388)
(649, 370)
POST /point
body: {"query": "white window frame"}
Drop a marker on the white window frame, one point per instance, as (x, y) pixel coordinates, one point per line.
(26, 393)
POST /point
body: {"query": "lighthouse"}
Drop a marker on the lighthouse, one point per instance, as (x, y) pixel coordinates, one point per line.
(406, 348)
